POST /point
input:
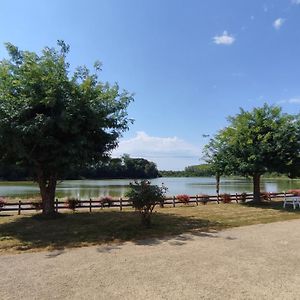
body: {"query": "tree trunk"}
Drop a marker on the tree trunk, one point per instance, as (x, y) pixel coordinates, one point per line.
(47, 190)
(146, 219)
(256, 188)
(217, 184)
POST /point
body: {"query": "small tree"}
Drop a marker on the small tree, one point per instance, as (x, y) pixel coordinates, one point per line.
(145, 197)
(52, 121)
(255, 142)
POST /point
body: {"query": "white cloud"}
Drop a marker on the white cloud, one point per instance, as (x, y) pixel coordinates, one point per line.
(295, 100)
(224, 39)
(169, 153)
(297, 2)
(278, 23)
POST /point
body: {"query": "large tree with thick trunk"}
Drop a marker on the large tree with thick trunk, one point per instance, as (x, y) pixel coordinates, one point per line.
(52, 121)
(255, 142)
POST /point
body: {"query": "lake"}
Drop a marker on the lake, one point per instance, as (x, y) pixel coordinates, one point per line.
(176, 185)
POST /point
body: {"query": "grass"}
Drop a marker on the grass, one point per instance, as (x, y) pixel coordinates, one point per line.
(29, 233)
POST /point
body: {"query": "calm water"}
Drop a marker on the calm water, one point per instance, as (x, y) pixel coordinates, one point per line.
(117, 187)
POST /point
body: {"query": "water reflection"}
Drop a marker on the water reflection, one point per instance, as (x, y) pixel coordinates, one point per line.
(117, 187)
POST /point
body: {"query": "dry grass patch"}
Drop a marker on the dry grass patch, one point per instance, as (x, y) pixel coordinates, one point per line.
(30, 233)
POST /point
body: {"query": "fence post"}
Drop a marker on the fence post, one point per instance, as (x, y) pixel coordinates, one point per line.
(218, 199)
(19, 208)
(197, 200)
(102, 205)
(236, 198)
(90, 204)
(56, 205)
(174, 201)
(121, 203)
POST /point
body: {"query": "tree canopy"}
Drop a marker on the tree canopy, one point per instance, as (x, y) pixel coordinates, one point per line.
(255, 142)
(51, 120)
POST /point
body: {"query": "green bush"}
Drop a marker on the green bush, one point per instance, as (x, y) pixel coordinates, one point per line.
(145, 197)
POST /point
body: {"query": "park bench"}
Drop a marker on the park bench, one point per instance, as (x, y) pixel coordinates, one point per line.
(295, 200)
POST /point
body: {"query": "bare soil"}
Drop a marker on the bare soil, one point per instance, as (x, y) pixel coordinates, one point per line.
(252, 262)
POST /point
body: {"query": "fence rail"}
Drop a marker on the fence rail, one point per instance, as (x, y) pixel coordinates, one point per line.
(123, 202)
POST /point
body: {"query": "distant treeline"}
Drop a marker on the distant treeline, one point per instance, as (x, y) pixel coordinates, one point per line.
(124, 167)
(190, 171)
(118, 168)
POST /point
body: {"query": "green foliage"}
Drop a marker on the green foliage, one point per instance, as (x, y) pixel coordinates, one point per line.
(109, 168)
(190, 171)
(145, 197)
(52, 121)
(262, 140)
(124, 167)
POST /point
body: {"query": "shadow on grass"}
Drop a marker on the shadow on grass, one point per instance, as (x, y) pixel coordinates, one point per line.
(276, 205)
(81, 229)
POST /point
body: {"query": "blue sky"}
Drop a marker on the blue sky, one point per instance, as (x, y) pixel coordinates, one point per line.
(190, 63)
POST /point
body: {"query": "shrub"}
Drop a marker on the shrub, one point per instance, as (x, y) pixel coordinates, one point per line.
(225, 198)
(2, 203)
(37, 205)
(183, 198)
(106, 200)
(72, 203)
(204, 199)
(243, 197)
(145, 197)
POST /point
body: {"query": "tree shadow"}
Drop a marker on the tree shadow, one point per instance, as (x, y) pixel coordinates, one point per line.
(276, 205)
(82, 229)
(4, 215)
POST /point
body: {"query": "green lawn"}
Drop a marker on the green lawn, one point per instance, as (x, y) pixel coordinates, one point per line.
(29, 233)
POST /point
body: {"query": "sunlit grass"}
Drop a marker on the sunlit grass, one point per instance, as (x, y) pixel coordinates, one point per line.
(29, 233)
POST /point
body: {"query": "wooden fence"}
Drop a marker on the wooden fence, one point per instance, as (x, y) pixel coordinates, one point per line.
(123, 202)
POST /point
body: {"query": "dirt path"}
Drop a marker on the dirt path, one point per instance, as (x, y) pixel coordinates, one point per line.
(254, 262)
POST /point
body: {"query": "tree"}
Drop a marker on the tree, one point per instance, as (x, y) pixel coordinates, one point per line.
(51, 121)
(145, 197)
(255, 142)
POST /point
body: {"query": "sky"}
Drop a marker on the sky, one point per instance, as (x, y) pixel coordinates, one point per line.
(189, 63)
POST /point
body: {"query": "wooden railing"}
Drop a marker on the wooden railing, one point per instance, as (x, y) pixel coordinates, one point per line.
(123, 202)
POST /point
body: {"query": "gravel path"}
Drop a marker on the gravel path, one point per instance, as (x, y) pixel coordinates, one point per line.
(254, 262)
